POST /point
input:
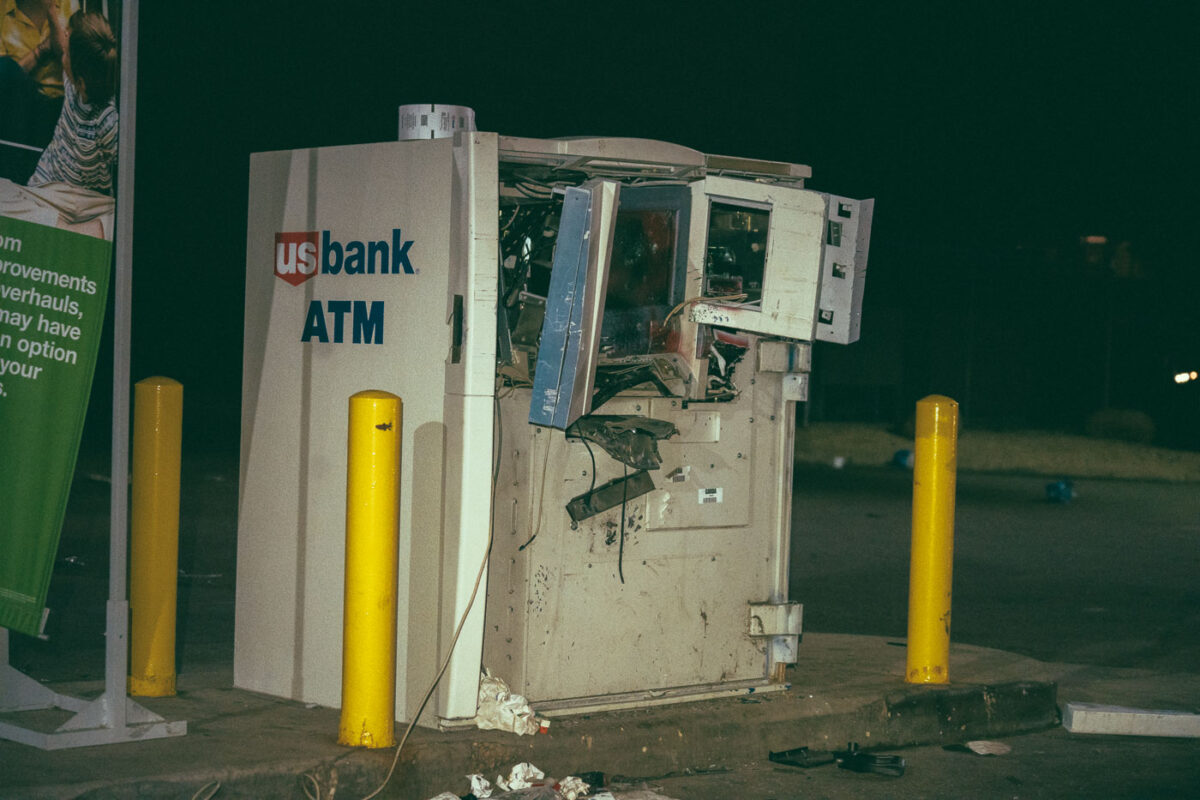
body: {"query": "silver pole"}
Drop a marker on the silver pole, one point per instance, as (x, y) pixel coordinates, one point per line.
(116, 654)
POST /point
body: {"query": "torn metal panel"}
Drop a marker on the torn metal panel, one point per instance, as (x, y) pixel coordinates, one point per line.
(632, 440)
(616, 492)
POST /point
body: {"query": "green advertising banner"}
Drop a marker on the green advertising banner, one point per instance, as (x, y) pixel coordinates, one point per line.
(53, 288)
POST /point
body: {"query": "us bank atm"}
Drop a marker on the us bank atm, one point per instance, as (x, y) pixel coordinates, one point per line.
(598, 343)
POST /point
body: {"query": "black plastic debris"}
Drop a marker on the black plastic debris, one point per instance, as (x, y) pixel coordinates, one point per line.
(802, 757)
(629, 439)
(857, 760)
(612, 494)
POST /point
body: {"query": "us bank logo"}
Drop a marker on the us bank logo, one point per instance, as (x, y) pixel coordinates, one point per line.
(301, 255)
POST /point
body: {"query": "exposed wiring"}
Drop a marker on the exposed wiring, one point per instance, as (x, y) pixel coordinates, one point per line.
(511, 220)
(537, 525)
(725, 298)
(592, 456)
(532, 190)
(621, 546)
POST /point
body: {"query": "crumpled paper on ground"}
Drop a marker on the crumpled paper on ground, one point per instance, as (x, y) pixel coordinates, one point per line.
(480, 786)
(522, 776)
(986, 748)
(500, 709)
(572, 788)
(526, 776)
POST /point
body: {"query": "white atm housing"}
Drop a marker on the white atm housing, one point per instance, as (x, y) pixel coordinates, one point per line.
(598, 343)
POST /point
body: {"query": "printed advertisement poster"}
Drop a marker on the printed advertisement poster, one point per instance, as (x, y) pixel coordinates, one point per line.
(57, 63)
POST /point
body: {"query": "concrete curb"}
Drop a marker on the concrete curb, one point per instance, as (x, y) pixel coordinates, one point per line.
(259, 747)
(650, 743)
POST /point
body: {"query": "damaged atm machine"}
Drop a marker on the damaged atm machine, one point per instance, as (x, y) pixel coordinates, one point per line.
(599, 344)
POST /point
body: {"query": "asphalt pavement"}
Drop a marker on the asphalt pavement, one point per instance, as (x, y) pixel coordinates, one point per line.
(1041, 569)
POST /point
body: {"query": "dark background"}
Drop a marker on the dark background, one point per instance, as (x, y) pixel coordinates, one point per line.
(993, 141)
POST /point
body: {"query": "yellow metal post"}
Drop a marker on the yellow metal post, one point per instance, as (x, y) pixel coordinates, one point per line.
(372, 532)
(154, 535)
(935, 467)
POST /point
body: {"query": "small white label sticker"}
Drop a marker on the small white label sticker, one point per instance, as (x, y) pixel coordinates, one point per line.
(710, 495)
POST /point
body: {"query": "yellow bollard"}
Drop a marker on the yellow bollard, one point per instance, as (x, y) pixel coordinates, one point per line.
(154, 536)
(935, 466)
(372, 532)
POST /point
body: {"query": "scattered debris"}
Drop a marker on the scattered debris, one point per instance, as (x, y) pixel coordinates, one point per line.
(480, 786)
(838, 462)
(857, 760)
(522, 776)
(980, 747)
(527, 782)
(852, 758)
(1060, 491)
(1097, 718)
(802, 757)
(572, 788)
(500, 709)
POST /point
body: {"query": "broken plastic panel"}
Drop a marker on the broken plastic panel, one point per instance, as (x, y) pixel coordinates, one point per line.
(610, 495)
(620, 266)
(844, 269)
(763, 245)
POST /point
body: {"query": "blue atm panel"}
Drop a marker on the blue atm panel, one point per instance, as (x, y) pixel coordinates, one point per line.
(554, 382)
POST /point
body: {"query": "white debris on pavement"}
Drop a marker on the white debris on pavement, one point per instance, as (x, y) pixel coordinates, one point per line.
(500, 709)
(1119, 720)
(522, 776)
(572, 788)
(445, 796)
(986, 748)
(480, 786)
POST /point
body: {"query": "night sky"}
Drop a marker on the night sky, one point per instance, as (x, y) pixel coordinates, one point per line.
(991, 140)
